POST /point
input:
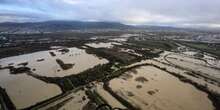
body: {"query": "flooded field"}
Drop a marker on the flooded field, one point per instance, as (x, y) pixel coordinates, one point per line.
(209, 59)
(193, 64)
(78, 101)
(45, 63)
(132, 77)
(108, 97)
(130, 51)
(59, 62)
(119, 39)
(25, 90)
(103, 45)
(153, 89)
(212, 61)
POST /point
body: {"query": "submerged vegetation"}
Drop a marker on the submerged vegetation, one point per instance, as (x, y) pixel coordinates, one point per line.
(63, 65)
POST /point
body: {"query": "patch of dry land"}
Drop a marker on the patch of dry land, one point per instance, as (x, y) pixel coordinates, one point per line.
(150, 88)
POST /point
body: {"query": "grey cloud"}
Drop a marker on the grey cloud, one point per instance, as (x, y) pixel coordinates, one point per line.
(174, 12)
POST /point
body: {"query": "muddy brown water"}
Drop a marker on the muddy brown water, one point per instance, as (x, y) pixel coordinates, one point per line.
(49, 67)
(25, 90)
(162, 91)
(193, 64)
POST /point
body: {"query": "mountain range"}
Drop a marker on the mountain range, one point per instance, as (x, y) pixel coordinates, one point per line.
(54, 26)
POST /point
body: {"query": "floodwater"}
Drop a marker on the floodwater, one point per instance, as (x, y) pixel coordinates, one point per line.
(25, 90)
(186, 59)
(212, 61)
(193, 64)
(78, 101)
(130, 51)
(159, 91)
(207, 57)
(108, 97)
(161, 62)
(119, 39)
(75, 100)
(123, 37)
(191, 53)
(103, 44)
(48, 66)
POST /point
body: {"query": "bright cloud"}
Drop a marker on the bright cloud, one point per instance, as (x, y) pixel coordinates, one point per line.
(170, 12)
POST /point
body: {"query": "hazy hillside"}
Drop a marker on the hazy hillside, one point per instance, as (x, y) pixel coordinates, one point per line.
(51, 26)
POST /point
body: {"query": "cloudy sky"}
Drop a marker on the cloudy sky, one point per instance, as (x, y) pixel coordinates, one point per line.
(204, 13)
